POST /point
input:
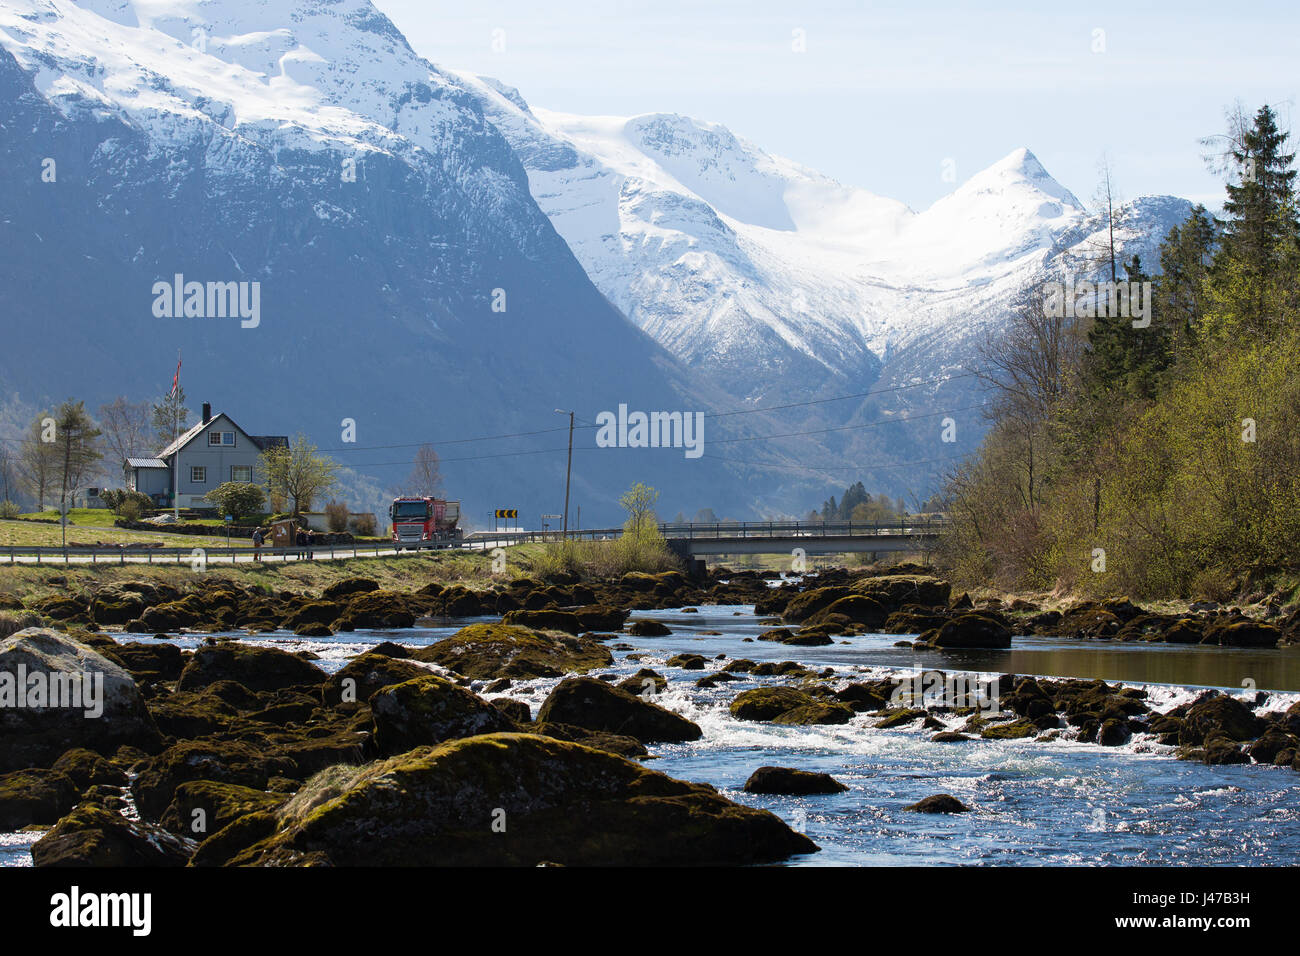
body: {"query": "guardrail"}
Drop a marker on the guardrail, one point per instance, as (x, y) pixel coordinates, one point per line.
(139, 554)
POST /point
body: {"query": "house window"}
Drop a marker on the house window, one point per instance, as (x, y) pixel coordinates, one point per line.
(241, 472)
(198, 475)
(224, 439)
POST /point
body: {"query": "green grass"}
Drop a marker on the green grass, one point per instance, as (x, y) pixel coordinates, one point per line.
(35, 534)
(81, 517)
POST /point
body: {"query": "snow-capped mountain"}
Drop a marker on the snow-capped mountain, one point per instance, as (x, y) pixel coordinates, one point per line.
(736, 260)
(437, 260)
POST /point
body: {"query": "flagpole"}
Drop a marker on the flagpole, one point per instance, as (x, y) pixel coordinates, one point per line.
(176, 429)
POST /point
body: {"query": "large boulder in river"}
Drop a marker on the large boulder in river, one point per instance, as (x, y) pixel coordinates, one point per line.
(790, 782)
(596, 705)
(256, 667)
(518, 799)
(35, 796)
(220, 761)
(895, 590)
(1220, 715)
(549, 619)
(1243, 633)
(367, 673)
(93, 836)
(57, 693)
(767, 703)
(508, 650)
(972, 630)
(429, 710)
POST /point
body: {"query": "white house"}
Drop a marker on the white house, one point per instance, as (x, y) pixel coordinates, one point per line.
(215, 450)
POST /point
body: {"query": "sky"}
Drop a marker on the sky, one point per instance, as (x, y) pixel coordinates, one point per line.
(903, 99)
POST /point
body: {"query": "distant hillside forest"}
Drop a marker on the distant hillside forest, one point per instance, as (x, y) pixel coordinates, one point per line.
(1159, 459)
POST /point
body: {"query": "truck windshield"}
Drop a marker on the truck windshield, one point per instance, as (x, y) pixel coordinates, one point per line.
(410, 509)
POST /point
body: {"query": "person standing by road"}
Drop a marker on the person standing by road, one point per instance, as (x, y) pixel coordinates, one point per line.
(259, 538)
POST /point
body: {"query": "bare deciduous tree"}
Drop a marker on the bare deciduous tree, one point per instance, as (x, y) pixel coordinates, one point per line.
(126, 426)
(425, 478)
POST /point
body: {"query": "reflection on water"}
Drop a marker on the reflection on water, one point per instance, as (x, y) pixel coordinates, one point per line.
(1194, 665)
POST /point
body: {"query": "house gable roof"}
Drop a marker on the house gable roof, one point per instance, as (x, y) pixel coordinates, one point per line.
(262, 442)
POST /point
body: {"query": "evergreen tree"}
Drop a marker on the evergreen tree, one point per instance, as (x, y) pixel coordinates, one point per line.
(1185, 259)
(1258, 254)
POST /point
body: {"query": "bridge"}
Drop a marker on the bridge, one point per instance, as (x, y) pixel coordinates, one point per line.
(697, 540)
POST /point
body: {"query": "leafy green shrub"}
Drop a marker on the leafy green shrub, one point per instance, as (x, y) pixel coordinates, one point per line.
(9, 510)
(238, 498)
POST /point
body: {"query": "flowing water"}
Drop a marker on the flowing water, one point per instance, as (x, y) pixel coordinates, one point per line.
(1033, 803)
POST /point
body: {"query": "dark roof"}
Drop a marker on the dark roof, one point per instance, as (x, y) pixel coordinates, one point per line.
(269, 441)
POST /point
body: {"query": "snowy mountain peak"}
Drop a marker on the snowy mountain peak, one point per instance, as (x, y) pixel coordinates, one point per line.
(1018, 176)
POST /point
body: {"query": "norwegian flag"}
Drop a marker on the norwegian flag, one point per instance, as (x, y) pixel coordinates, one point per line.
(176, 378)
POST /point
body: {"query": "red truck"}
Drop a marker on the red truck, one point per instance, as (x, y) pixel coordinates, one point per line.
(417, 520)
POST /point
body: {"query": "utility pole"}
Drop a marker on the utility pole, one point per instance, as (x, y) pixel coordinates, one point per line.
(568, 472)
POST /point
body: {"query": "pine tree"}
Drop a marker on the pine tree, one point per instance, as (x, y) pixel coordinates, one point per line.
(1185, 259)
(1261, 230)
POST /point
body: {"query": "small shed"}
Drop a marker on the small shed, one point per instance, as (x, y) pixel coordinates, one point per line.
(284, 533)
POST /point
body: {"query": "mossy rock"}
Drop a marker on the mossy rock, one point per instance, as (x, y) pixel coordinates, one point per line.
(1010, 730)
(819, 712)
(348, 588)
(938, 803)
(972, 630)
(807, 605)
(864, 697)
(648, 628)
(313, 612)
(365, 674)
(643, 680)
(200, 808)
(429, 710)
(595, 705)
(899, 716)
(156, 661)
(1220, 715)
(1243, 634)
(767, 703)
(600, 617)
(809, 638)
(380, 609)
(93, 836)
(551, 800)
(857, 608)
(237, 836)
(620, 744)
(687, 662)
(505, 650)
(893, 591)
(189, 715)
(788, 781)
(219, 761)
(517, 710)
(546, 620)
(89, 769)
(256, 667)
(35, 796)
